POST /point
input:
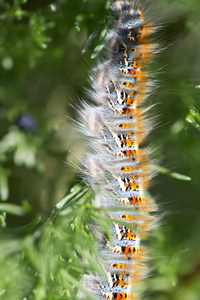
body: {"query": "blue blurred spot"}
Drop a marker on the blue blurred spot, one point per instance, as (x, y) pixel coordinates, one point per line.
(26, 122)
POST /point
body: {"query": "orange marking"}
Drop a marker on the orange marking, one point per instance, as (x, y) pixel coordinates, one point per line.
(132, 250)
(128, 142)
(121, 282)
(126, 168)
(123, 125)
(133, 200)
(130, 235)
(135, 64)
(123, 296)
(118, 296)
(134, 186)
(137, 73)
(118, 266)
(127, 217)
(141, 15)
(133, 152)
(129, 101)
(132, 178)
(126, 251)
(135, 249)
(126, 111)
(128, 84)
(141, 200)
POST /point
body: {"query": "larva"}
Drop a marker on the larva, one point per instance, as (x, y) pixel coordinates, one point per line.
(118, 166)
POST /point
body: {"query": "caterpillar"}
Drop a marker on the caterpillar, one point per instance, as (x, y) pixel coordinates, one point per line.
(119, 167)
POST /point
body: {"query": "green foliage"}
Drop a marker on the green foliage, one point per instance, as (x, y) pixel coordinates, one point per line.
(192, 118)
(45, 243)
(42, 260)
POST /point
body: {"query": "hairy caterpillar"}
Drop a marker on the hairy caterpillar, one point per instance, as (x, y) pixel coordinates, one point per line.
(118, 167)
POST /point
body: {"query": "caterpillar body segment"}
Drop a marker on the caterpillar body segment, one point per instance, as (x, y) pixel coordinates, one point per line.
(118, 167)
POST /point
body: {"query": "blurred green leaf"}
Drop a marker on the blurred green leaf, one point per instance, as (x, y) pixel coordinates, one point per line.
(3, 220)
(192, 117)
(27, 228)
(4, 188)
(12, 209)
(175, 175)
(92, 36)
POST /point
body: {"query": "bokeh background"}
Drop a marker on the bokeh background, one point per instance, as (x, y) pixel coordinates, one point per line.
(46, 51)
